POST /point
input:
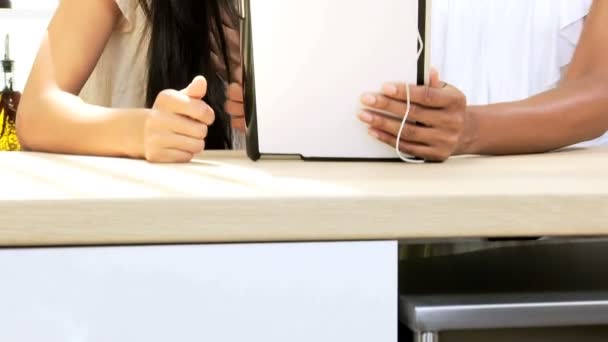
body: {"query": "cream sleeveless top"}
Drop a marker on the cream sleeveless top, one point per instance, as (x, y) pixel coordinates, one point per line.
(119, 79)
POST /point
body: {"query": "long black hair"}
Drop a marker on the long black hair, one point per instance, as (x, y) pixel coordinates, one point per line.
(180, 48)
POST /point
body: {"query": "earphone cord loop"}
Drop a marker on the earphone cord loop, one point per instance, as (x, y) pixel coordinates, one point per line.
(405, 157)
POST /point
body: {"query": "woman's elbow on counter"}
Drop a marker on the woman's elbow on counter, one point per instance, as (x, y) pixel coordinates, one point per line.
(27, 126)
(602, 123)
(592, 112)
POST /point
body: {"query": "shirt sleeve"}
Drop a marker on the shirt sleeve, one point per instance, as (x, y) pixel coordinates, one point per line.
(128, 9)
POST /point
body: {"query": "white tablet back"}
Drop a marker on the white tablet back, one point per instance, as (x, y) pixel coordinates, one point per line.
(308, 62)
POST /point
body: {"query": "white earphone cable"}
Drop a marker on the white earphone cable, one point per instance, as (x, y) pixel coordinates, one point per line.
(405, 157)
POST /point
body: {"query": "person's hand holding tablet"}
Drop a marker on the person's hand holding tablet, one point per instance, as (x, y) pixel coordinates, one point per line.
(437, 125)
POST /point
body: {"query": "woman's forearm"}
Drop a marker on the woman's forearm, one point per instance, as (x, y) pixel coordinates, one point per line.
(574, 112)
(62, 122)
(51, 117)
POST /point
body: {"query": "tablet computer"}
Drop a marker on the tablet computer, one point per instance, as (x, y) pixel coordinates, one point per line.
(307, 63)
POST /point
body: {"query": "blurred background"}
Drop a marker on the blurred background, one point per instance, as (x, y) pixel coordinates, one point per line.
(26, 22)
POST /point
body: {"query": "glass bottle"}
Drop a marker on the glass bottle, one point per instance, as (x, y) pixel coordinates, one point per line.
(9, 101)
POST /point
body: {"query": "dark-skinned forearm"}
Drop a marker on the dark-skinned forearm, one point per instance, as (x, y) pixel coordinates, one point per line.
(574, 112)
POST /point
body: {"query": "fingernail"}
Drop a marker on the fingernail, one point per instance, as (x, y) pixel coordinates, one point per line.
(374, 133)
(369, 99)
(389, 89)
(366, 117)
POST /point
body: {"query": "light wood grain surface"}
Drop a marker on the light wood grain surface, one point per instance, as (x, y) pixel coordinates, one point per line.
(223, 197)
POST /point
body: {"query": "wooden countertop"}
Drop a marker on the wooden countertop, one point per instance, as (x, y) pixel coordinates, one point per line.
(223, 197)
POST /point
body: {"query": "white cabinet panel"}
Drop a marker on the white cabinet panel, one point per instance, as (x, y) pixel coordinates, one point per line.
(254, 292)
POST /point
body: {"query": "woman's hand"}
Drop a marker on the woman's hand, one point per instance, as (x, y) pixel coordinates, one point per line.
(235, 107)
(436, 122)
(177, 125)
